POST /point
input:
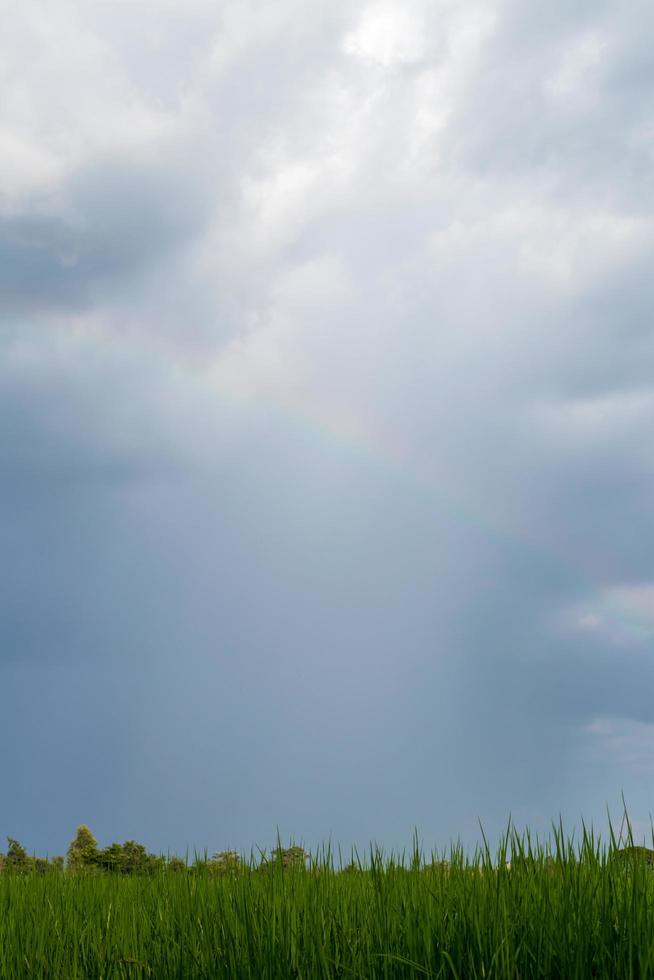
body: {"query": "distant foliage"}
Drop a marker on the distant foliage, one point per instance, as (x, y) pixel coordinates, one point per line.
(635, 855)
(555, 912)
(130, 858)
(17, 860)
(519, 858)
(83, 850)
(225, 864)
(287, 859)
(350, 869)
(438, 866)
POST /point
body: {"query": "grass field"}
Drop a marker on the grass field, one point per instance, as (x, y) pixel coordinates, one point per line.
(560, 910)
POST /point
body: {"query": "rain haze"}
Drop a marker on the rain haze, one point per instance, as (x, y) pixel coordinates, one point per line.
(326, 420)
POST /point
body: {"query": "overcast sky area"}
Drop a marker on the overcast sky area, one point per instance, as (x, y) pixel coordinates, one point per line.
(326, 419)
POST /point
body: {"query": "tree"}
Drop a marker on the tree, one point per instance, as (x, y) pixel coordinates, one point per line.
(176, 864)
(225, 863)
(292, 857)
(41, 865)
(136, 859)
(83, 851)
(111, 858)
(16, 860)
(288, 859)
(128, 859)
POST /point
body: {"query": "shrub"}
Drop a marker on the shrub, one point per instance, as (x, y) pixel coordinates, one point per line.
(350, 869)
(635, 855)
(438, 866)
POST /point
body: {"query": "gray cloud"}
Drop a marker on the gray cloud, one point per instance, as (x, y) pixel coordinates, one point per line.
(563, 96)
(109, 225)
(325, 420)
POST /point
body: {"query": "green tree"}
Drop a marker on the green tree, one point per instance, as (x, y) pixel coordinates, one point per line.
(292, 857)
(288, 858)
(351, 869)
(112, 858)
(130, 858)
(16, 860)
(136, 859)
(225, 863)
(83, 851)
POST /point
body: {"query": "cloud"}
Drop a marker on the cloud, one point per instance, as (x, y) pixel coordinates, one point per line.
(574, 80)
(387, 35)
(110, 223)
(622, 615)
(325, 405)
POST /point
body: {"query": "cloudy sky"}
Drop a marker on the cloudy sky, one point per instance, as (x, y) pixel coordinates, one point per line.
(326, 419)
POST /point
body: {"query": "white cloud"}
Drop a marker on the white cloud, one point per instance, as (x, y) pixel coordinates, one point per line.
(26, 167)
(270, 358)
(622, 615)
(389, 33)
(76, 102)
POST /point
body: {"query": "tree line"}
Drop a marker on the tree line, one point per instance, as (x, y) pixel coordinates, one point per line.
(131, 858)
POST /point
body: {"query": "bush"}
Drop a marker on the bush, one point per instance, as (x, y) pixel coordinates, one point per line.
(635, 855)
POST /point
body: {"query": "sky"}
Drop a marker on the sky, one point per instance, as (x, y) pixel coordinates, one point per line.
(326, 414)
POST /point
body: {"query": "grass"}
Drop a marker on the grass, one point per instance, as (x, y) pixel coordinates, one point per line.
(560, 911)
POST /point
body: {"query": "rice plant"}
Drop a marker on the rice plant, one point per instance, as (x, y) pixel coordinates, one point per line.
(562, 908)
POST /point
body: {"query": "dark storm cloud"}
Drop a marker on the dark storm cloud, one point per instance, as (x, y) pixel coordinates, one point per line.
(325, 420)
(66, 588)
(108, 225)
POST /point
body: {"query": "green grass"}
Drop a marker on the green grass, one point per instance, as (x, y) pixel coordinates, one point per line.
(561, 911)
